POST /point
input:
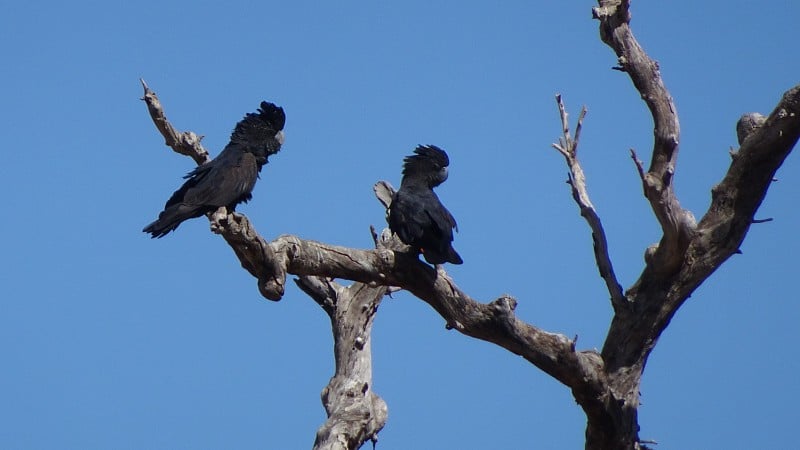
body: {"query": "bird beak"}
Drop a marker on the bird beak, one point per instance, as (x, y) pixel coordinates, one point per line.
(280, 137)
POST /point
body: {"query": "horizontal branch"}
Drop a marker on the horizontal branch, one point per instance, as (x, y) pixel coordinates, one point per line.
(494, 322)
(387, 268)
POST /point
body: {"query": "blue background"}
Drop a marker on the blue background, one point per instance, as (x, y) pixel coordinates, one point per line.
(111, 340)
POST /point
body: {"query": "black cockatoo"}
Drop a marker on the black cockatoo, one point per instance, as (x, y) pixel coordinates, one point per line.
(416, 215)
(228, 179)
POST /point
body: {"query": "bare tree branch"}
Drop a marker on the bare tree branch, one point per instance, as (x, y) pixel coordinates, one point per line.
(375, 271)
(747, 124)
(640, 169)
(384, 191)
(736, 199)
(606, 385)
(688, 252)
(186, 143)
(568, 147)
(253, 252)
(677, 224)
(494, 322)
(658, 296)
(321, 290)
(355, 413)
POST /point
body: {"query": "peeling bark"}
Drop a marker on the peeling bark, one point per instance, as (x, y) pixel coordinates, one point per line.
(355, 413)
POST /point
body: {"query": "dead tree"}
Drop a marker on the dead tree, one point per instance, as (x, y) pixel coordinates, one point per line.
(605, 384)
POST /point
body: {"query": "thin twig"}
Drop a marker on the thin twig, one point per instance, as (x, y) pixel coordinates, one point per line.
(639, 164)
(568, 146)
(578, 129)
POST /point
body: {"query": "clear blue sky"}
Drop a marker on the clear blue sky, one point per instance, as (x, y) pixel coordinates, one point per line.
(111, 340)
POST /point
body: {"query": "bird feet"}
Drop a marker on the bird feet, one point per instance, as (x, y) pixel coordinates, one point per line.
(219, 220)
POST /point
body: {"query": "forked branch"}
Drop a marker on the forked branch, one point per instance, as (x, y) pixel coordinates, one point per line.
(355, 413)
(568, 147)
(677, 224)
(375, 271)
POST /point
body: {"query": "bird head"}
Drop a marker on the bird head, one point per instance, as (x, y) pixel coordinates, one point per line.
(428, 163)
(261, 133)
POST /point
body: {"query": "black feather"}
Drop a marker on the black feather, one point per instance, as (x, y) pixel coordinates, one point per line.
(416, 215)
(228, 179)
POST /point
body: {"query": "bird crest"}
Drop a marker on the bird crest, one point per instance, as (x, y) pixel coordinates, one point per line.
(429, 162)
(416, 214)
(228, 179)
(257, 130)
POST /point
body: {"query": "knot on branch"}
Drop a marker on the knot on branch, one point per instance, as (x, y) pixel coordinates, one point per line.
(254, 253)
(355, 413)
(504, 306)
(272, 288)
(387, 257)
(653, 185)
(747, 124)
(611, 14)
(503, 312)
(454, 325)
(606, 10)
(359, 343)
(622, 64)
(220, 222)
(649, 253)
(380, 411)
(189, 142)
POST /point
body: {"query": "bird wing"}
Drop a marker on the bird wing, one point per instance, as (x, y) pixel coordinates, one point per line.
(193, 178)
(406, 218)
(224, 181)
(413, 215)
(441, 221)
(450, 220)
(440, 217)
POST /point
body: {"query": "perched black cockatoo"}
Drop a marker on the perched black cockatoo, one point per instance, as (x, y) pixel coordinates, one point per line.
(416, 215)
(228, 179)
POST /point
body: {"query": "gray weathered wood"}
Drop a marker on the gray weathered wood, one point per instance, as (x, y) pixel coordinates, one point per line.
(355, 413)
(605, 384)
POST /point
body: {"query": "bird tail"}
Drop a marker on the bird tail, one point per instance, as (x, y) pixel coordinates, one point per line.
(170, 218)
(450, 255)
(453, 257)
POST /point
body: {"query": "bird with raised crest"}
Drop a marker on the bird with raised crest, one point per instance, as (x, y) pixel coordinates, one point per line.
(228, 179)
(416, 214)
